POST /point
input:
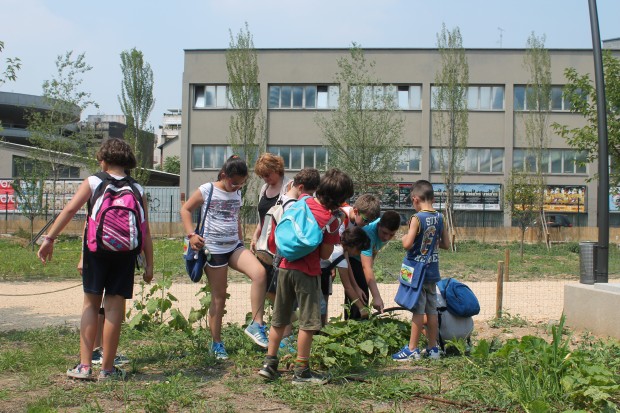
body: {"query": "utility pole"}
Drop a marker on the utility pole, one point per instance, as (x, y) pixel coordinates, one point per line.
(501, 36)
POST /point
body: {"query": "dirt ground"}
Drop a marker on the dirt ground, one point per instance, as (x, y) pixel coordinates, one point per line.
(25, 305)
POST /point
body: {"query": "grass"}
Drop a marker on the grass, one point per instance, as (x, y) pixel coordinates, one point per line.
(172, 371)
(473, 261)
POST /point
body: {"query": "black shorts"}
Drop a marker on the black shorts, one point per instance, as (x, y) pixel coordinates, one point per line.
(272, 277)
(326, 281)
(360, 279)
(221, 260)
(111, 273)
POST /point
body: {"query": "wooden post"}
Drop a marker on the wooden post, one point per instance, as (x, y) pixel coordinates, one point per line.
(507, 265)
(499, 298)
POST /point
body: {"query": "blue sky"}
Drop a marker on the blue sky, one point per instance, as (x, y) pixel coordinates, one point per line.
(39, 30)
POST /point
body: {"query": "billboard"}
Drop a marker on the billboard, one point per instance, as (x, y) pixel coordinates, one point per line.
(470, 197)
(565, 198)
(7, 195)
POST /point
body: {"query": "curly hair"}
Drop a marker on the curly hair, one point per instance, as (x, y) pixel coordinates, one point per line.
(268, 163)
(115, 151)
(335, 188)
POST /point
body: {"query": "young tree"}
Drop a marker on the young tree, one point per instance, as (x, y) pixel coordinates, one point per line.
(172, 164)
(536, 114)
(13, 64)
(247, 124)
(137, 103)
(58, 141)
(29, 189)
(364, 135)
(581, 93)
(450, 115)
(521, 198)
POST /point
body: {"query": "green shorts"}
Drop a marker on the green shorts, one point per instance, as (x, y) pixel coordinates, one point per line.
(296, 285)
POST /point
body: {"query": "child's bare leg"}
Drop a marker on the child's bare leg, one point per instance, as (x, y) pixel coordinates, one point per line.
(218, 282)
(114, 316)
(417, 324)
(242, 260)
(433, 330)
(304, 342)
(88, 326)
(100, 321)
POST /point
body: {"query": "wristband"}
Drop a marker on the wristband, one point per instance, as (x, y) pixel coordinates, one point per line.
(50, 239)
(191, 235)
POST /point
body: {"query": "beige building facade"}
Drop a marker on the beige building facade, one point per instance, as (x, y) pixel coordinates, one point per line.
(297, 85)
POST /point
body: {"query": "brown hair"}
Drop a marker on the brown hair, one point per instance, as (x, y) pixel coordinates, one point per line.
(423, 190)
(355, 237)
(309, 178)
(117, 152)
(369, 205)
(335, 188)
(268, 163)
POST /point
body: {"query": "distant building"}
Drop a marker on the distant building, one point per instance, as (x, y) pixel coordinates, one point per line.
(169, 143)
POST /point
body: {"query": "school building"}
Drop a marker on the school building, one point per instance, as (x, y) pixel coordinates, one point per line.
(297, 85)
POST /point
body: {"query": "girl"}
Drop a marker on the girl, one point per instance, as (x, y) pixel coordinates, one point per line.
(103, 271)
(222, 239)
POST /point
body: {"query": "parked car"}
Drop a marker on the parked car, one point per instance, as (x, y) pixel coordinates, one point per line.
(557, 220)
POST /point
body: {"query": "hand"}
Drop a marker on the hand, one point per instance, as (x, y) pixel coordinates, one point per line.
(361, 294)
(80, 264)
(364, 314)
(148, 275)
(196, 242)
(46, 251)
(377, 303)
(253, 245)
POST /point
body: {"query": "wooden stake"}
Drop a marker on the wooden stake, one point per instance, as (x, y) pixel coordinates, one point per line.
(507, 265)
(499, 298)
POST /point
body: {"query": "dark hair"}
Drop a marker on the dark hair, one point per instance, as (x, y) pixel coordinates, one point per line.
(309, 178)
(234, 166)
(423, 190)
(355, 237)
(390, 220)
(335, 188)
(117, 152)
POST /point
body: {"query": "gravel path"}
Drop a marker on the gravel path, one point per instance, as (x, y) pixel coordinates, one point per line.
(534, 300)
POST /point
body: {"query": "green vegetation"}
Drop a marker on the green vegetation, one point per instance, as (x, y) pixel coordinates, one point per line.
(173, 371)
(473, 261)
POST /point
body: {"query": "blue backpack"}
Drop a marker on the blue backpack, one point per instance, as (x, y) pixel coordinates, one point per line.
(298, 233)
(460, 299)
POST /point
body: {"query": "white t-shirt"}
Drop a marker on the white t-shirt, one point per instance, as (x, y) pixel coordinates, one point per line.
(94, 182)
(221, 230)
(338, 249)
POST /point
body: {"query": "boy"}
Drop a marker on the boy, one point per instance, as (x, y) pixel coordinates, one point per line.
(380, 231)
(426, 229)
(300, 280)
(353, 240)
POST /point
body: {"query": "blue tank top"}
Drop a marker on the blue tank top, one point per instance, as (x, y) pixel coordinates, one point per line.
(425, 243)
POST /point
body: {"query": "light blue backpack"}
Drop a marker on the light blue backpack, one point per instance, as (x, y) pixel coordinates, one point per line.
(298, 233)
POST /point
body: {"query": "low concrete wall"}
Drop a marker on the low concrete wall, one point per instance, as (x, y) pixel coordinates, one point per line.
(593, 308)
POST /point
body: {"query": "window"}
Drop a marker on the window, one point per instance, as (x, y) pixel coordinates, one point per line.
(210, 156)
(26, 166)
(554, 161)
(377, 97)
(409, 160)
(485, 98)
(476, 160)
(409, 97)
(299, 157)
(211, 97)
(437, 90)
(303, 96)
(559, 102)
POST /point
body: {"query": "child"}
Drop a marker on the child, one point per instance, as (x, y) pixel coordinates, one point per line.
(222, 239)
(103, 271)
(380, 231)
(300, 280)
(426, 229)
(353, 240)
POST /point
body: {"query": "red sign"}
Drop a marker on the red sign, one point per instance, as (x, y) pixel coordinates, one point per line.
(7, 198)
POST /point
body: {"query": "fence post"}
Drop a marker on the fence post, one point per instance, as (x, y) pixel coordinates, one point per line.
(507, 265)
(499, 297)
(170, 223)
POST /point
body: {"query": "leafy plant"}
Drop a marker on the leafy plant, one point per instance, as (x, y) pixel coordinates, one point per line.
(155, 307)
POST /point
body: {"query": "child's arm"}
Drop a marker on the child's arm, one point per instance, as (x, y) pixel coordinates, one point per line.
(369, 274)
(196, 241)
(147, 244)
(444, 241)
(349, 290)
(409, 238)
(66, 215)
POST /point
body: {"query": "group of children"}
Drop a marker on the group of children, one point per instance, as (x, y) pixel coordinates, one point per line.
(350, 244)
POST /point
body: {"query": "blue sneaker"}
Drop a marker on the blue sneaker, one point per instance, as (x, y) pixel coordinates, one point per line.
(405, 354)
(257, 333)
(287, 345)
(433, 353)
(218, 350)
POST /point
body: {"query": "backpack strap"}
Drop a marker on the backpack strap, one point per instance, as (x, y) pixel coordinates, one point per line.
(200, 228)
(334, 263)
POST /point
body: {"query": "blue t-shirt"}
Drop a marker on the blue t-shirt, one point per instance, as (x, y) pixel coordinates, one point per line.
(431, 226)
(375, 243)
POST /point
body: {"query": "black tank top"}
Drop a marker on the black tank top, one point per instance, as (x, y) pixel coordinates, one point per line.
(264, 203)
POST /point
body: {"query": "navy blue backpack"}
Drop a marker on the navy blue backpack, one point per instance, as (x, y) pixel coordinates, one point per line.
(460, 299)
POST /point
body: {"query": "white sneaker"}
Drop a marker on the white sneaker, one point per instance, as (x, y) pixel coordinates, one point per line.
(433, 353)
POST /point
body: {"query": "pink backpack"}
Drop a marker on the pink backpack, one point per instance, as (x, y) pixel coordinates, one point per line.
(116, 220)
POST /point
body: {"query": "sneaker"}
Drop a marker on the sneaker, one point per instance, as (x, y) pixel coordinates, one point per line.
(81, 371)
(218, 350)
(114, 374)
(269, 371)
(257, 333)
(97, 358)
(287, 345)
(405, 354)
(433, 353)
(307, 376)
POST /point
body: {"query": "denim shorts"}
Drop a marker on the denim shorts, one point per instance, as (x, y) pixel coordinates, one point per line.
(221, 260)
